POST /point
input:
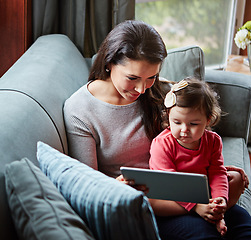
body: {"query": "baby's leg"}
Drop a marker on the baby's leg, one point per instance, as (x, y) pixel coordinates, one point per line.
(221, 227)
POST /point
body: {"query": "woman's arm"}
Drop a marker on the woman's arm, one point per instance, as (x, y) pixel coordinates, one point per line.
(83, 148)
(242, 173)
(236, 186)
(81, 143)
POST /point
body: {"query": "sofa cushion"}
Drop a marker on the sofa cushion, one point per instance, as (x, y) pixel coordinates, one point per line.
(112, 210)
(39, 211)
(183, 62)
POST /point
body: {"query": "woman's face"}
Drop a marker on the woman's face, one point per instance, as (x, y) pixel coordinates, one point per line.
(132, 78)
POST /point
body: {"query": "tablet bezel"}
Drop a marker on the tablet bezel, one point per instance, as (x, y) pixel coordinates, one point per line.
(180, 186)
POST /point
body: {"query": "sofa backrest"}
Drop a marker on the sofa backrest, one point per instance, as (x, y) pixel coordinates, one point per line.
(234, 90)
(32, 94)
(183, 62)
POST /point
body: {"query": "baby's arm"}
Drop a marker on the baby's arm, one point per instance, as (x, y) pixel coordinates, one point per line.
(167, 208)
(220, 208)
(214, 213)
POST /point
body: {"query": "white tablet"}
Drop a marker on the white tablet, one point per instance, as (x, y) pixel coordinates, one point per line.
(175, 186)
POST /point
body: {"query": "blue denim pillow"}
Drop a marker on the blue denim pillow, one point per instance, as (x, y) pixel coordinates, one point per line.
(38, 209)
(112, 210)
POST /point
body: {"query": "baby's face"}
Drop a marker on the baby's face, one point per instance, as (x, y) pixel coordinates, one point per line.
(187, 126)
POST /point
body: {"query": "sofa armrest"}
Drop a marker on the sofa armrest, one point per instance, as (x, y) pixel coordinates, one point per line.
(234, 90)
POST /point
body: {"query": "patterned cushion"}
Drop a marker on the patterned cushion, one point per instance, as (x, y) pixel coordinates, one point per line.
(112, 210)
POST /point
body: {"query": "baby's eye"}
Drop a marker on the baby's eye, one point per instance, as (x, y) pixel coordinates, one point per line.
(194, 124)
(177, 122)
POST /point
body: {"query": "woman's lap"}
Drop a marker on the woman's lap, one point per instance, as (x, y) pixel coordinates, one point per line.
(238, 222)
(194, 227)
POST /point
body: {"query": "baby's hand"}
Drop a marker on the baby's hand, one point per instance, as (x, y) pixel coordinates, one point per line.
(220, 205)
(212, 212)
(206, 211)
(221, 227)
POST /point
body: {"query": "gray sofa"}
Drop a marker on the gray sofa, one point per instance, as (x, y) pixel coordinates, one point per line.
(33, 92)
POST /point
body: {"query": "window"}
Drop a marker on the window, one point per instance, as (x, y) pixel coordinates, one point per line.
(208, 24)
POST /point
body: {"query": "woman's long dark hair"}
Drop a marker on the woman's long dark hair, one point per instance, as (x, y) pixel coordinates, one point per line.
(135, 40)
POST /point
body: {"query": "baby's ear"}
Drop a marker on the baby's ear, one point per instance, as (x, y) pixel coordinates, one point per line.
(209, 121)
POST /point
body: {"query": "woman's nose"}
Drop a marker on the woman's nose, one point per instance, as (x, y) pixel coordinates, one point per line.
(140, 87)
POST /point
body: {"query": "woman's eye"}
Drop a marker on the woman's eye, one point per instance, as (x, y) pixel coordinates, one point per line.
(132, 78)
(153, 77)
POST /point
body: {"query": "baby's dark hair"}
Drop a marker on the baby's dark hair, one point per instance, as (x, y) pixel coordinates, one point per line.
(199, 95)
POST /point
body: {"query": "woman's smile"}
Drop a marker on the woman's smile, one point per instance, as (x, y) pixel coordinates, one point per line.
(132, 78)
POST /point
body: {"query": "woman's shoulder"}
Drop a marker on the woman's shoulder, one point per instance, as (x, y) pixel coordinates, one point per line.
(77, 98)
(96, 87)
(100, 89)
(85, 96)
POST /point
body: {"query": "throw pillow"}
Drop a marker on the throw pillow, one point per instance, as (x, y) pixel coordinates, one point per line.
(38, 209)
(112, 210)
(183, 62)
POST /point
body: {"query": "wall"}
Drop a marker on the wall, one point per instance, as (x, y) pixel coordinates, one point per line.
(15, 31)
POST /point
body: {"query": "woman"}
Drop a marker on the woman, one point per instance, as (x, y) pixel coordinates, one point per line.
(112, 120)
(104, 118)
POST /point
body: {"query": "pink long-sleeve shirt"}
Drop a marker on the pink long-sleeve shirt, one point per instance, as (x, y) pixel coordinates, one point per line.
(167, 154)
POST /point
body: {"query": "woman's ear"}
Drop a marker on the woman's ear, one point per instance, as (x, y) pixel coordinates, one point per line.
(107, 68)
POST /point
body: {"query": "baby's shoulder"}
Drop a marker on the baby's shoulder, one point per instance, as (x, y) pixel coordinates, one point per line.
(212, 136)
(164, 136)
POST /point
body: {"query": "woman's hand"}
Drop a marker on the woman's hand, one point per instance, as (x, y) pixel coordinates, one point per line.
(241, 171)
(121, 179)
(131, 183)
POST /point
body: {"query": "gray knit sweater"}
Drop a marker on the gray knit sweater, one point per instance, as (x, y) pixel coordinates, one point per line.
(105, 136)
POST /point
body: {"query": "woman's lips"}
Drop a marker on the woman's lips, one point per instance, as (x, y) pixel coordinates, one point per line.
(136, 95)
